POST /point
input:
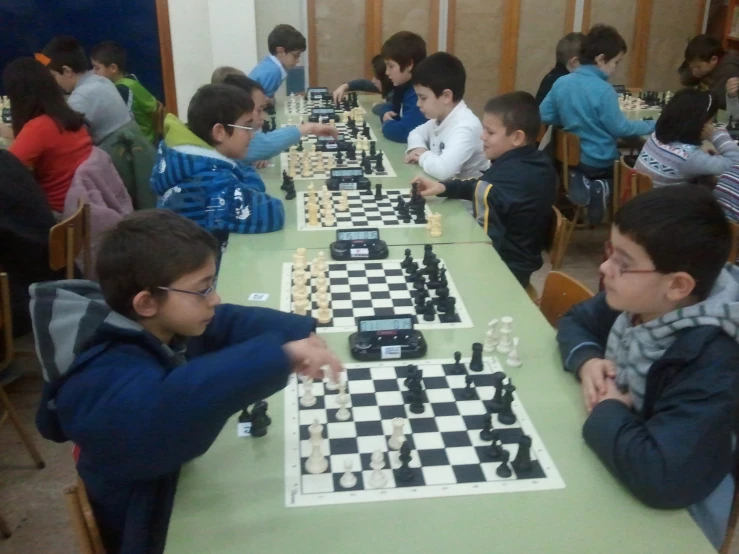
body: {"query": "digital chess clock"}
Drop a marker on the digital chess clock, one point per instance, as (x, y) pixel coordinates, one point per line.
(331, 144)
(323, 115)
(351, 178)
(358, 244)
(386, 337)
(318, 93)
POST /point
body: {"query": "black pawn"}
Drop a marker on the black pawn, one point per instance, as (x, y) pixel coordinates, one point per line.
(495, 404)
(378, 191)
(412, 268)
(339, 158)
(429, 314)
(351, 153)
(300, 146)
(458, 368)
(506, 415)
(504, 470)
(476, 361)
(522, 462)
(468, 392)
(495, 452)
(421, 301)
(487, 428)
(428, 254)
(408, 259)
(404, 473)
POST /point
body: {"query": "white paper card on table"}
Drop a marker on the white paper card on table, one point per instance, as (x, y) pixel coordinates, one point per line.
(258, 297)
(390, 352)
(359, 252)
(243, 429)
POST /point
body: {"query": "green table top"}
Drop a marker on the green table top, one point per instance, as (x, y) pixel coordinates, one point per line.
(232, 500)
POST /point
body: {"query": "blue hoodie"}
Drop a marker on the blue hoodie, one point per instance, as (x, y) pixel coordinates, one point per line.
(584, 103)
(405, 104)
(139, 409)
(194, 180)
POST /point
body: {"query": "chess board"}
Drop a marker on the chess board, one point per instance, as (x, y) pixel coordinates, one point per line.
(360, 289)
(294, 107)
(644, 101)
(364, 210)
(448, 456)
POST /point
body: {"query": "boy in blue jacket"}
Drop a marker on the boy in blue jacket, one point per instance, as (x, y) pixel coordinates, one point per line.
(286, 44)
(657, 355)
(584, 103)
(198, 173)
(402, 53)
(144, 369)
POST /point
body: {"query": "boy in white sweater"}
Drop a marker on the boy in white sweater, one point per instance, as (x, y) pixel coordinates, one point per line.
(449, 144)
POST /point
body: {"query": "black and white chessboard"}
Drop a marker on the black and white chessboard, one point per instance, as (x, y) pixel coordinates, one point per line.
(360, 289)
(294, 107)
(364, 210)
(448, 456)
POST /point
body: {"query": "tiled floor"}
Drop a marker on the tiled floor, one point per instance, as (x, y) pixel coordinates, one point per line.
(31, 500)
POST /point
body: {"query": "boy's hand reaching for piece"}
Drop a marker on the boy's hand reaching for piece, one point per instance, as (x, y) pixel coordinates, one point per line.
(593, 376)
(318, 129)
(414, 155)
(340, 91)
(429, 187)
(308, 357)
(388, 116)
(732, 87)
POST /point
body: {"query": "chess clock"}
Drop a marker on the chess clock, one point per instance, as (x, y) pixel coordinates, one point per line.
(330, 144)
(358, 244)
(351, 178)
(323, 115)
(386, 337)
(318, 93)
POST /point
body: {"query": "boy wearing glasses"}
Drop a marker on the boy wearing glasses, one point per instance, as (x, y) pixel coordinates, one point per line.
(286, 44)
(657, 355)
(198, 173)
(145, 368)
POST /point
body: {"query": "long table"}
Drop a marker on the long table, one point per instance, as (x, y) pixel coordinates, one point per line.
(232, 499)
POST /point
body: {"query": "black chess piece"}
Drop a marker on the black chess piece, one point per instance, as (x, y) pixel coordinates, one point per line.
(339, 158)
(265, 126)
(411, 372)
(300, 146)
(522, 461)
(416, 401)
(400, 207)
(476, 361)
(450, 311)
(421, 218)
(495, 404)
(378, 191)
(504, 470)
(468, 392)
(428, 253)
(261, 406)
(290, 192)
(429, 313)
(420, 282)
(404, 473)
(379, 166)
(420, 301)
(506, 415)
(350, 123)
(442, 277)
(366, 165)
(351, 153)
(273, 124)
(495, 452)
(441, 295)
(487, 428)
(373, 148)
(433, 276)
(408, 259)
(412, 268)
(259, 420)
(245, 416)
(458, 367)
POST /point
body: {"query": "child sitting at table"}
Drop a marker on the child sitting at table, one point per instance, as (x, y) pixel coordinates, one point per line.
(673, 154)
(709, 67)
(379, 83)
(657, 355)
(513, 199)
(145, 368)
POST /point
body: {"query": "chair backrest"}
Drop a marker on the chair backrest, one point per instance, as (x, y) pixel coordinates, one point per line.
(734, 242)
(627, 183)
(83, 519)
(69, 238)
(556, 238)
(159, 116)
(6, 323)
(560, 293)
(567, 152)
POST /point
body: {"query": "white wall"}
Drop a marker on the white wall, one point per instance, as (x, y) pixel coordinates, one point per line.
(207, 34)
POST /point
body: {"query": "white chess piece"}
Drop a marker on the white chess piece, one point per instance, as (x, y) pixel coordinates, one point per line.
(398, 437)
(321, 280)
(324, 313)
(377, 460)
(316, 462)
(300, 306)
(343, 414)
(328, 382)
(348, 480)
(308, 399)
(491, 337)
(505, 330)
(322, 265)
(298, 262)
(513, 358)
(377, 478)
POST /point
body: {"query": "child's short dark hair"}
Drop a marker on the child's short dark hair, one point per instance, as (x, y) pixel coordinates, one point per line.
(703, 48)
(149, 249)
(569, 46)
(685, 115)
(682, 228)
(404, 48)
(244, 83)
(287, 37)
(108, 53)
(213, 104)
(220, 74)
(439, 72)
(64, 50)
(518, 111)
(602, 39)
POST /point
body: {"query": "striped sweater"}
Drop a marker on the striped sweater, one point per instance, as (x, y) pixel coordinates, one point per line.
(678, 163)
(727, 193)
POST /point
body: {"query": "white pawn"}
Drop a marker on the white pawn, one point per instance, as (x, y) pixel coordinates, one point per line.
(322, 266)
(398, 437)
(308, 399)
(328, 380)
(348, 480)
(491, 337)
(324, 313)
(377, 478)
(343, 414)
(300, 306)
(513, 358)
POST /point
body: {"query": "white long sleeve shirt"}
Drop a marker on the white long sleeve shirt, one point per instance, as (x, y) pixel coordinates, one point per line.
(454, 145)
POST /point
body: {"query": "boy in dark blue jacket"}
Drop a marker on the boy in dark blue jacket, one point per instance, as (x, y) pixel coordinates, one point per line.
(513, 199)
(658, 358)
(144, 369)
(402, 53)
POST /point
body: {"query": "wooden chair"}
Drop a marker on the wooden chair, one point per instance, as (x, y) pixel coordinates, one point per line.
(734, 242)
(627, 183)
(560, 293)
(4, 528)
(567, 153)
(83, 519)
(69, 238)
(556, 234)
(8, 354)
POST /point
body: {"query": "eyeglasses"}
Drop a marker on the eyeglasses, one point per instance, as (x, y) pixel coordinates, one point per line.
(621, 269)
(240, 127)
(202, 294)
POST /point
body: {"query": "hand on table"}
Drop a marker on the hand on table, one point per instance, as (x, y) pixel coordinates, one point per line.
(732, 87)
(388, 116)
(593, 376)
(429, 187)
(414, 155)
(308, 357)
(261, 164)
(613, 393)
(340, 91)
